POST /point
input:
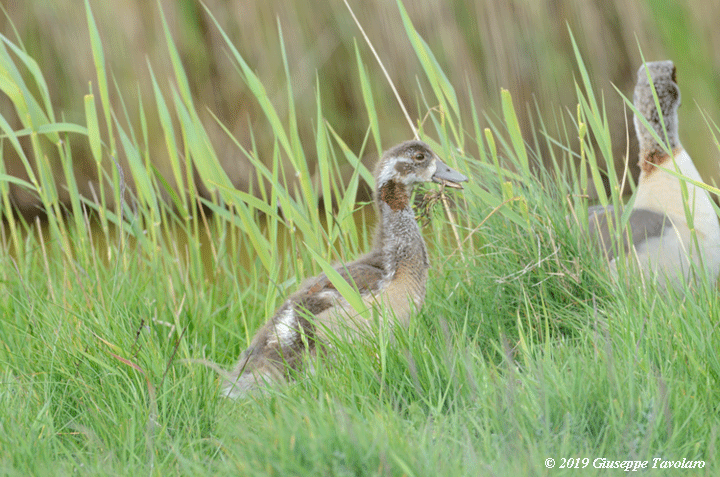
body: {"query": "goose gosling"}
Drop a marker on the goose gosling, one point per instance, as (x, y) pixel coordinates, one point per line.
(392, 275)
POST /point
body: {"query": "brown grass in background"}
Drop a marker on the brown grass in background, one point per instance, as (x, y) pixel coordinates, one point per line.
(523, 46)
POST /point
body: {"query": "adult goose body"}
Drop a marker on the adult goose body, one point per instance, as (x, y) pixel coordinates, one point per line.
(665, 239)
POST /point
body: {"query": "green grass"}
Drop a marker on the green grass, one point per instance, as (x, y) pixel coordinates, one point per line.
(525, 349)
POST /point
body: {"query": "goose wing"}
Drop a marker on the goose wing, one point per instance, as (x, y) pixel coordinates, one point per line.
(644, 224)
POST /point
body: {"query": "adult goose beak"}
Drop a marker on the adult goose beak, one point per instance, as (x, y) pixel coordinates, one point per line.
(447, 176)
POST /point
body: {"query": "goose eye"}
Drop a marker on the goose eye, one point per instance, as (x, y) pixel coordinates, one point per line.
(419, 156)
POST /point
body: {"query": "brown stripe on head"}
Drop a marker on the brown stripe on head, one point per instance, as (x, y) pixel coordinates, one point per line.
(403, 168)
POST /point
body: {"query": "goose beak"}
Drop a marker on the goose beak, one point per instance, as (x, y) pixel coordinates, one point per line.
(447, 176)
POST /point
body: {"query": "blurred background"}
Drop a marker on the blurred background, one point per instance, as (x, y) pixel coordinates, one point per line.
(523, 46)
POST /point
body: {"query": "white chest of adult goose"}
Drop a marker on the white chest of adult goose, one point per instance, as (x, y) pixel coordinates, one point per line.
(393, 274)
(661, 237)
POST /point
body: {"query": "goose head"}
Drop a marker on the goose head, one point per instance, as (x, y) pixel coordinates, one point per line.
(664, 77)
(407, 164)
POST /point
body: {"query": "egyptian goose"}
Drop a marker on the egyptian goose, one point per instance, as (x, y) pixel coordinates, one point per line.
(660, 235)
(393, 274)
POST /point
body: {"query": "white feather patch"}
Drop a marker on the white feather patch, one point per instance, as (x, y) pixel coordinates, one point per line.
(387, 172)
(286, 328)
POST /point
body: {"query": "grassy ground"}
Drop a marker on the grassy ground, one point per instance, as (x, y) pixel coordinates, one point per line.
(525, 349)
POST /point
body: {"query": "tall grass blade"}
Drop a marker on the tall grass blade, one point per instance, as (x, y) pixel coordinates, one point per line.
(29, 111)
(443, 90)
(516, 138)
(258, 91)
(170, 145)
(99, 59)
